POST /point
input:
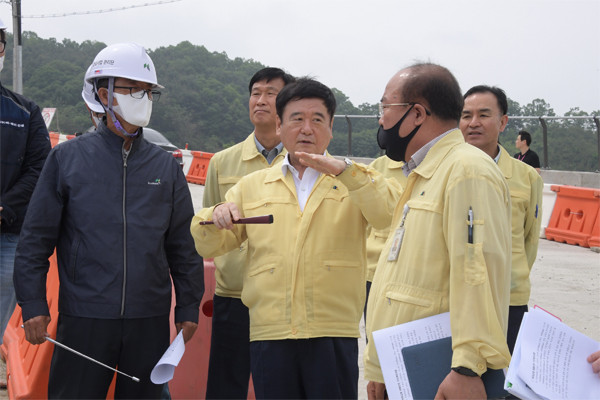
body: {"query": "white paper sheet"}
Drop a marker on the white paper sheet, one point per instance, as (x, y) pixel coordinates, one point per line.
(390, 341)
(165, 368)
(513, 383)
(552, 360)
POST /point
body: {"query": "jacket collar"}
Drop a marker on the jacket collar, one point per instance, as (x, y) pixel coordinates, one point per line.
(115, 140)
(505, 163)
(438, 152)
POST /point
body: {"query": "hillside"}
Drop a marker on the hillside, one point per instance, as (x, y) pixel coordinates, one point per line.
(205, 102)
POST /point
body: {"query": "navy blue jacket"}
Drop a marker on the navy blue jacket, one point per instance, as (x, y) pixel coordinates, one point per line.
(121, 227)
(24, 145)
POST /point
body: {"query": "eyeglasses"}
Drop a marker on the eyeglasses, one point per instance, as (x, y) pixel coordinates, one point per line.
(2, 45)
(383, 106)
(152, 94)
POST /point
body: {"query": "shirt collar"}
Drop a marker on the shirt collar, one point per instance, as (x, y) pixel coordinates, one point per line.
(498, 156)
(268, 154)
(420, 154)
(286, 165)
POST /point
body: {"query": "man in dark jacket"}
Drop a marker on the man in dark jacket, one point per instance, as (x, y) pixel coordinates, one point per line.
(118, 210)
(24, 146)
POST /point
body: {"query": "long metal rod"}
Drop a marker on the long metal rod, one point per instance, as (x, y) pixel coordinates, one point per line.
(133, 378)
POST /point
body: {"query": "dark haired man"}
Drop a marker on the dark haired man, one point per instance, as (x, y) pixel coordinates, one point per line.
(525, 154)
(229, 363)
(452, 226)
(24, 146)
(305, 274)
(483, 119)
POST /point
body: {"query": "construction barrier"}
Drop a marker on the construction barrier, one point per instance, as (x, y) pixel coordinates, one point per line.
(57, 138)
(574, 215)
(189, 380)
(594, 240)
(188, 157)
(199, 167)
(548, 200)
(54, 138)
(28, 366)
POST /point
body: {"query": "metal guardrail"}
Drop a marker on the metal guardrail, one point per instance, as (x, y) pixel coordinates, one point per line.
(542, 120)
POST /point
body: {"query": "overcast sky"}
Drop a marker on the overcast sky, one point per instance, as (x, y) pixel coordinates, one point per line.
(530, 48)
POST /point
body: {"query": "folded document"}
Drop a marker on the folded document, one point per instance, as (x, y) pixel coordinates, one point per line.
(550, 361)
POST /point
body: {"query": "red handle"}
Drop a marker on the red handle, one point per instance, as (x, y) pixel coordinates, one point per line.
(262, 219)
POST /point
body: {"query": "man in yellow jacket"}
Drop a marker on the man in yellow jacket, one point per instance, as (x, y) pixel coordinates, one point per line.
(305, 274)
(229, 362)
(437, 259)
(483, 118)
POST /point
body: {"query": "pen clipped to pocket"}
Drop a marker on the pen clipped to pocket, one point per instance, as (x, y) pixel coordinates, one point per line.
(470, 226)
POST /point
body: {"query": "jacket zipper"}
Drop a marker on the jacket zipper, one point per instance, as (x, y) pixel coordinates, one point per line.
(125, 155)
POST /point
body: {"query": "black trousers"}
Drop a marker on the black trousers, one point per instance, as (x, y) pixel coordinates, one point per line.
(229, 362)
(515, 316)
(318, 368)
(133, 346)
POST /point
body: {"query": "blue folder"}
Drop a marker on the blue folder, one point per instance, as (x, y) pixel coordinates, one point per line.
(427, 364)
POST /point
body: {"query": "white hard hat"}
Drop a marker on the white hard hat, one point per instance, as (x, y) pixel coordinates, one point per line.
(2, 25)
(123, 60)
(90, 99)
(88, 93)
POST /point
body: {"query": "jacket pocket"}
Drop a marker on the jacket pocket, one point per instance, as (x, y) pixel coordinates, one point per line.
(264, 293)
(475, 267)
(339, 290)
(408, 303)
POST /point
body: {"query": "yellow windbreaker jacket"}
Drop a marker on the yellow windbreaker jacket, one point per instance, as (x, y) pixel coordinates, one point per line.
(376, 238)
(526, 188)
(305, 273)
(437, 269)
(225, 169)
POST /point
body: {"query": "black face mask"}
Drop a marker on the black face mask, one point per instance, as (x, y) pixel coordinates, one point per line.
(390, 140)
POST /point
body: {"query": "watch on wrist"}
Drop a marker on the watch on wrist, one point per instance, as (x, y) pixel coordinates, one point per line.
(465, 371)
(348, 162)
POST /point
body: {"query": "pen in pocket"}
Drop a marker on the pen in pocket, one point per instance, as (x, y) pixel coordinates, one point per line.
(470, 227)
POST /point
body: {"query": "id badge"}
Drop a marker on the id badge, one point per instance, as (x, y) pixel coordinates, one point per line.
(396, 244)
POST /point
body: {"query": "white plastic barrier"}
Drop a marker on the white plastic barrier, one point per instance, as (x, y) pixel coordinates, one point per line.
(188, 157)
(548, 199)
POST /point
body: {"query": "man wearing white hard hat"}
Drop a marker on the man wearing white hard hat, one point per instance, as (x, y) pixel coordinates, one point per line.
(118, 210)
(24, 145)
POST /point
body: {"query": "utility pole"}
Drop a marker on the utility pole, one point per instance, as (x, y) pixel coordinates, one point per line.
(18, 48)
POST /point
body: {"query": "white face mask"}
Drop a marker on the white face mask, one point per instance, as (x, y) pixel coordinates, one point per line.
(135, 111)
(1, 63)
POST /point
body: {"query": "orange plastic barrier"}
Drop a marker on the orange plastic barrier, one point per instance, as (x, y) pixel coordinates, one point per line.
(594, 240)
(574, 216)
(189, 380)
(199, 167)
(54, 138)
